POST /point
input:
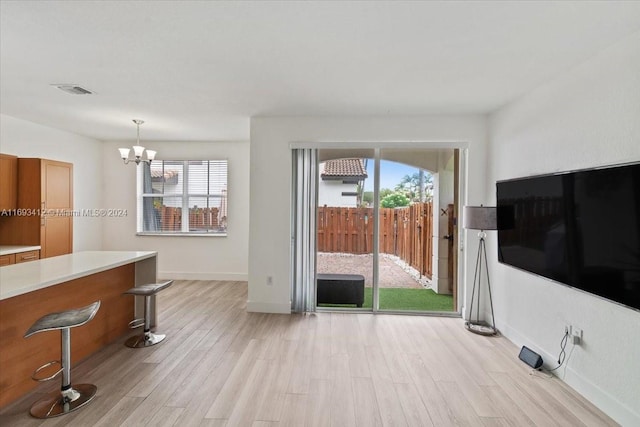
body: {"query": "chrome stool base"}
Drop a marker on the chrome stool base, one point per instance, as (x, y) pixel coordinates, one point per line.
(146, 340)
(62, 402)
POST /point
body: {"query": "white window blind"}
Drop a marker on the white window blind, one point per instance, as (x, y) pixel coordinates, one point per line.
(177, 197)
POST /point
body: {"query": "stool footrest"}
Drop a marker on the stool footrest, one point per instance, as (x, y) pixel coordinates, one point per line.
(136, 323)
(46, 365)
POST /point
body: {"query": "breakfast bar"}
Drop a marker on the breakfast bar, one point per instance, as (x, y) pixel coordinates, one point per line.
(31, 290)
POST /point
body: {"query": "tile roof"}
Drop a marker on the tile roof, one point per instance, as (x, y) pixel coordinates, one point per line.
(342, 168)
(158, 175)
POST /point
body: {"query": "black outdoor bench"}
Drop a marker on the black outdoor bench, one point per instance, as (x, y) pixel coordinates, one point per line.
(340, 289)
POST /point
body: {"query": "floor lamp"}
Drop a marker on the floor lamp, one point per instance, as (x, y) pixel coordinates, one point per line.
(480, 218)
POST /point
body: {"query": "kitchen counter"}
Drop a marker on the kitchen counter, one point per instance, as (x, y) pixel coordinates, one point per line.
(19, 279)
(8, 250)
(33, 289)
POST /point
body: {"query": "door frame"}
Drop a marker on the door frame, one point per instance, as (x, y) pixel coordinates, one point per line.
(460, 149)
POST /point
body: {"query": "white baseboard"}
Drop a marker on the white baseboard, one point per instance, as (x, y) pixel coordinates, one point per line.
(269, 307)
(620, 413)
(182, 275)
(608, 404)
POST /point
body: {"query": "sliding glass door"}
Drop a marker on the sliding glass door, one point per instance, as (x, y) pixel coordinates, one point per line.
(376, 242)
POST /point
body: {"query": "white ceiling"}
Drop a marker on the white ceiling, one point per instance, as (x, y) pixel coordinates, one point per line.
(198, 70)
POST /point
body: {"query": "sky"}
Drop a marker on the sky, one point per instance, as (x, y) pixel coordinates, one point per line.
(391, 173)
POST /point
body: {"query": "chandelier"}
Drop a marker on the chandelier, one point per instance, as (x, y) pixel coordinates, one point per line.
(138, 150)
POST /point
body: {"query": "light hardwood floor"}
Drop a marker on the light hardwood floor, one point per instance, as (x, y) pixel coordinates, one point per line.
(222, 366)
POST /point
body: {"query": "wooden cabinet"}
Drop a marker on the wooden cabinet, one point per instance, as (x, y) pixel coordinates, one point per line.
(7, 260)
(8, 182)
(19, 257)
(45, 198)
(27, 256)
(48, 185)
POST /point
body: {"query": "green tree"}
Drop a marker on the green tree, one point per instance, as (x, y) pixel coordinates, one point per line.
(384, 192)
(395, 200)
(410, 185)
(367, 196)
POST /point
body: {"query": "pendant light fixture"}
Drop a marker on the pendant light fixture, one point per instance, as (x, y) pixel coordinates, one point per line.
(138, 150)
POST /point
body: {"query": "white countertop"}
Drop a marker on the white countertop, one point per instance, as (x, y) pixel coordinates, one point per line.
(8, 250)
(30, 276)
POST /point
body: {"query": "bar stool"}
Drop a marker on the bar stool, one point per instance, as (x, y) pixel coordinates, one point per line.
(148, 338)
(70, 397)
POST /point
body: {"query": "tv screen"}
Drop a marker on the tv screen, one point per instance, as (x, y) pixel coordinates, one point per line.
(578, 228)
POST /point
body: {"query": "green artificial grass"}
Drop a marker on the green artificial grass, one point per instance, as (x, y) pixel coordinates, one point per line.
(404, 299)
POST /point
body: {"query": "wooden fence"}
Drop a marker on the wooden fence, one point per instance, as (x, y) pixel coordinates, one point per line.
(405, 232)
(199, 218)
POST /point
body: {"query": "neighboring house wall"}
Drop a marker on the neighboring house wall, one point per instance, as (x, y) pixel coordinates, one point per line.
(184, 257)
(330, 194)
(26, 139)
(589, 116)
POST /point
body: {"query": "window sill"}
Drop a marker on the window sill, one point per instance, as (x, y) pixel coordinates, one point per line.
(180, 234)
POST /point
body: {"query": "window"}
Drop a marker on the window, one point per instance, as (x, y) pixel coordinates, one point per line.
(177, 197)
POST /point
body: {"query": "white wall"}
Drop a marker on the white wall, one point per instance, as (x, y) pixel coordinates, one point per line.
(330, 194)
(184, 257)
(590, 116)
(26, 139)
(270, 235)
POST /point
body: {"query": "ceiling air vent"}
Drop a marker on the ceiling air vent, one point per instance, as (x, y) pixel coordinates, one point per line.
(73, 89)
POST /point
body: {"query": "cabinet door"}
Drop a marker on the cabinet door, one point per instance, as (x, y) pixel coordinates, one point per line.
(56, 234)
(56, 237)
(7, 260)
(8, 181)
(57, 185)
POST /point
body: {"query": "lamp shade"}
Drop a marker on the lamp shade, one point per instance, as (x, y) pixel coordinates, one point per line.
(124, 152)
(138, 150)
(480, 218)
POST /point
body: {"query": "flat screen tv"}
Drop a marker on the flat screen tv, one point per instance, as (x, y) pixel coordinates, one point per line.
(580, 228)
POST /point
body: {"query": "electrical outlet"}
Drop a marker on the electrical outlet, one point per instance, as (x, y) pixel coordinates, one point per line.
(576, 336)
(269, 280)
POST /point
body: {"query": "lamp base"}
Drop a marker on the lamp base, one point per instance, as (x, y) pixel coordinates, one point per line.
(481, 328)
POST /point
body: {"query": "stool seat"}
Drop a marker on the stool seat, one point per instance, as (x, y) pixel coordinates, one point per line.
(150, 289)
(64, 319)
